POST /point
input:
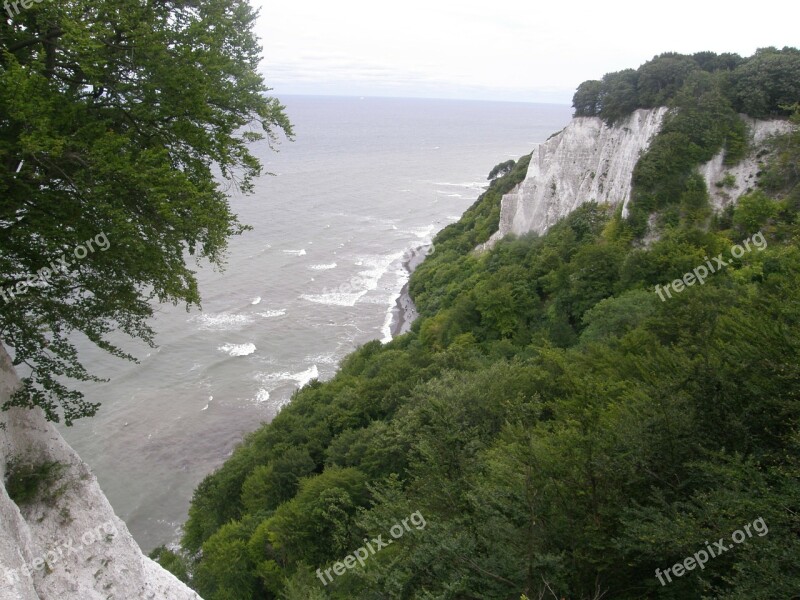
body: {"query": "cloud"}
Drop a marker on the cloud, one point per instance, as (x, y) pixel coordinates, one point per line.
(514, 47)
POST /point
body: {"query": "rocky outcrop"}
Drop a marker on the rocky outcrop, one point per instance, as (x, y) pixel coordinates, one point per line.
(590, 160)
(64, 542)
(726, 183)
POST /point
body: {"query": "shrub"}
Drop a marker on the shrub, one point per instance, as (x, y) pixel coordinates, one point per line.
(25, 482)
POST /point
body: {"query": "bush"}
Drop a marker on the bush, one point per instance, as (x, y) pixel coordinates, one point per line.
(25, 482)
(172, 562)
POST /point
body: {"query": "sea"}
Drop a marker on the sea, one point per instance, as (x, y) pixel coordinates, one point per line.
(364, 181)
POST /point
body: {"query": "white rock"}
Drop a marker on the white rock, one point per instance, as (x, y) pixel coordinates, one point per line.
(89, 551)
(586, 161)
(589, 160)
(744, 174)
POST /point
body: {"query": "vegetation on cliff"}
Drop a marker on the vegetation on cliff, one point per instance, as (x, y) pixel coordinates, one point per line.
(763, 85)
(705, 92)
(563, 431)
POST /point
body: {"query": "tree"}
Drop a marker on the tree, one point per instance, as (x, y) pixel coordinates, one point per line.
(661, 78)
(114, 117)
(768, 83)
(504, 168)
(586, 100)
(619, 96)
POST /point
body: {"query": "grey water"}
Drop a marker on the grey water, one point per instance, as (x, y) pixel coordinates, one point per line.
(365, 180)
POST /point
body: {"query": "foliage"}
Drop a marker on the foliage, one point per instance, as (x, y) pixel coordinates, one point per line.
(701, 124)
(768, 83)
(501, 169)
(762, 85)
(563, 431)
(753, 211)
(116, 115)
(704, 92)
(26, 482)
(782, 175)
(172, 562)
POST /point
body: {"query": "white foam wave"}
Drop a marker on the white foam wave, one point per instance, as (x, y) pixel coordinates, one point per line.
(348, 293)
(334, 298)
(262, 395)
(386, 330)
(221, 321)
(326, 267)
(306, 376)
(325, 359)
(256, 300)
(472, 185)
(238, 349)
(301, 378)
(295, 252)
(269, 314)
(423, 232)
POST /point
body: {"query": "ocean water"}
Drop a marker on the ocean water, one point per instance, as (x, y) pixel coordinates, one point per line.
(366, 180)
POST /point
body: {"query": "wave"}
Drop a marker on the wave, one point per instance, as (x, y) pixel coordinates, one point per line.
(238, 349)
(301, 252)
(472, 185)
(334, 298)
(323, 267)
(256, 300)
(374, 268)
(301, 378)
(269, 314)
(386, 329)
(423, 232)
(222, 321)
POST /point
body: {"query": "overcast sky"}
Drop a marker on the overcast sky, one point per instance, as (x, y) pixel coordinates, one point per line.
(495, 50)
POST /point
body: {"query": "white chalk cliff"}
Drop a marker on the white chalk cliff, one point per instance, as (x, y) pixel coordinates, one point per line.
(67, 543)
(589, 160)
(726, 184)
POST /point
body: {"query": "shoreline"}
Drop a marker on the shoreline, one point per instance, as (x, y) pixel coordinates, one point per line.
(405, 312)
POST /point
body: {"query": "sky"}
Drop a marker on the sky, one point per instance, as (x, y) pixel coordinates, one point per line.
(524, 51)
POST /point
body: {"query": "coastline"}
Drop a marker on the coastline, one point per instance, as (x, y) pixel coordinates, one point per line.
(405, 312)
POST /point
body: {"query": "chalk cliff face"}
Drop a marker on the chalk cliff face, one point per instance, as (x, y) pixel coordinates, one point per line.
(590, 160)
(66, 543)
(726, 184)
(586, 161)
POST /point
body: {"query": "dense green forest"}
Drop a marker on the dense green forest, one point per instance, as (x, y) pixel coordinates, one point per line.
(563, 431)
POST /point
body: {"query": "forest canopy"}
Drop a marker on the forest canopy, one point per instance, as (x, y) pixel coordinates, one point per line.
(564, 431)
(764, 85)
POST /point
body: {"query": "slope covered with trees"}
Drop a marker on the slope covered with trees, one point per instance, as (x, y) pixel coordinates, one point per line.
(564, 431)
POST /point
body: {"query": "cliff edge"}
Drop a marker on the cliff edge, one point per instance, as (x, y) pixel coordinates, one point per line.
(592, 161)
(59, 536)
